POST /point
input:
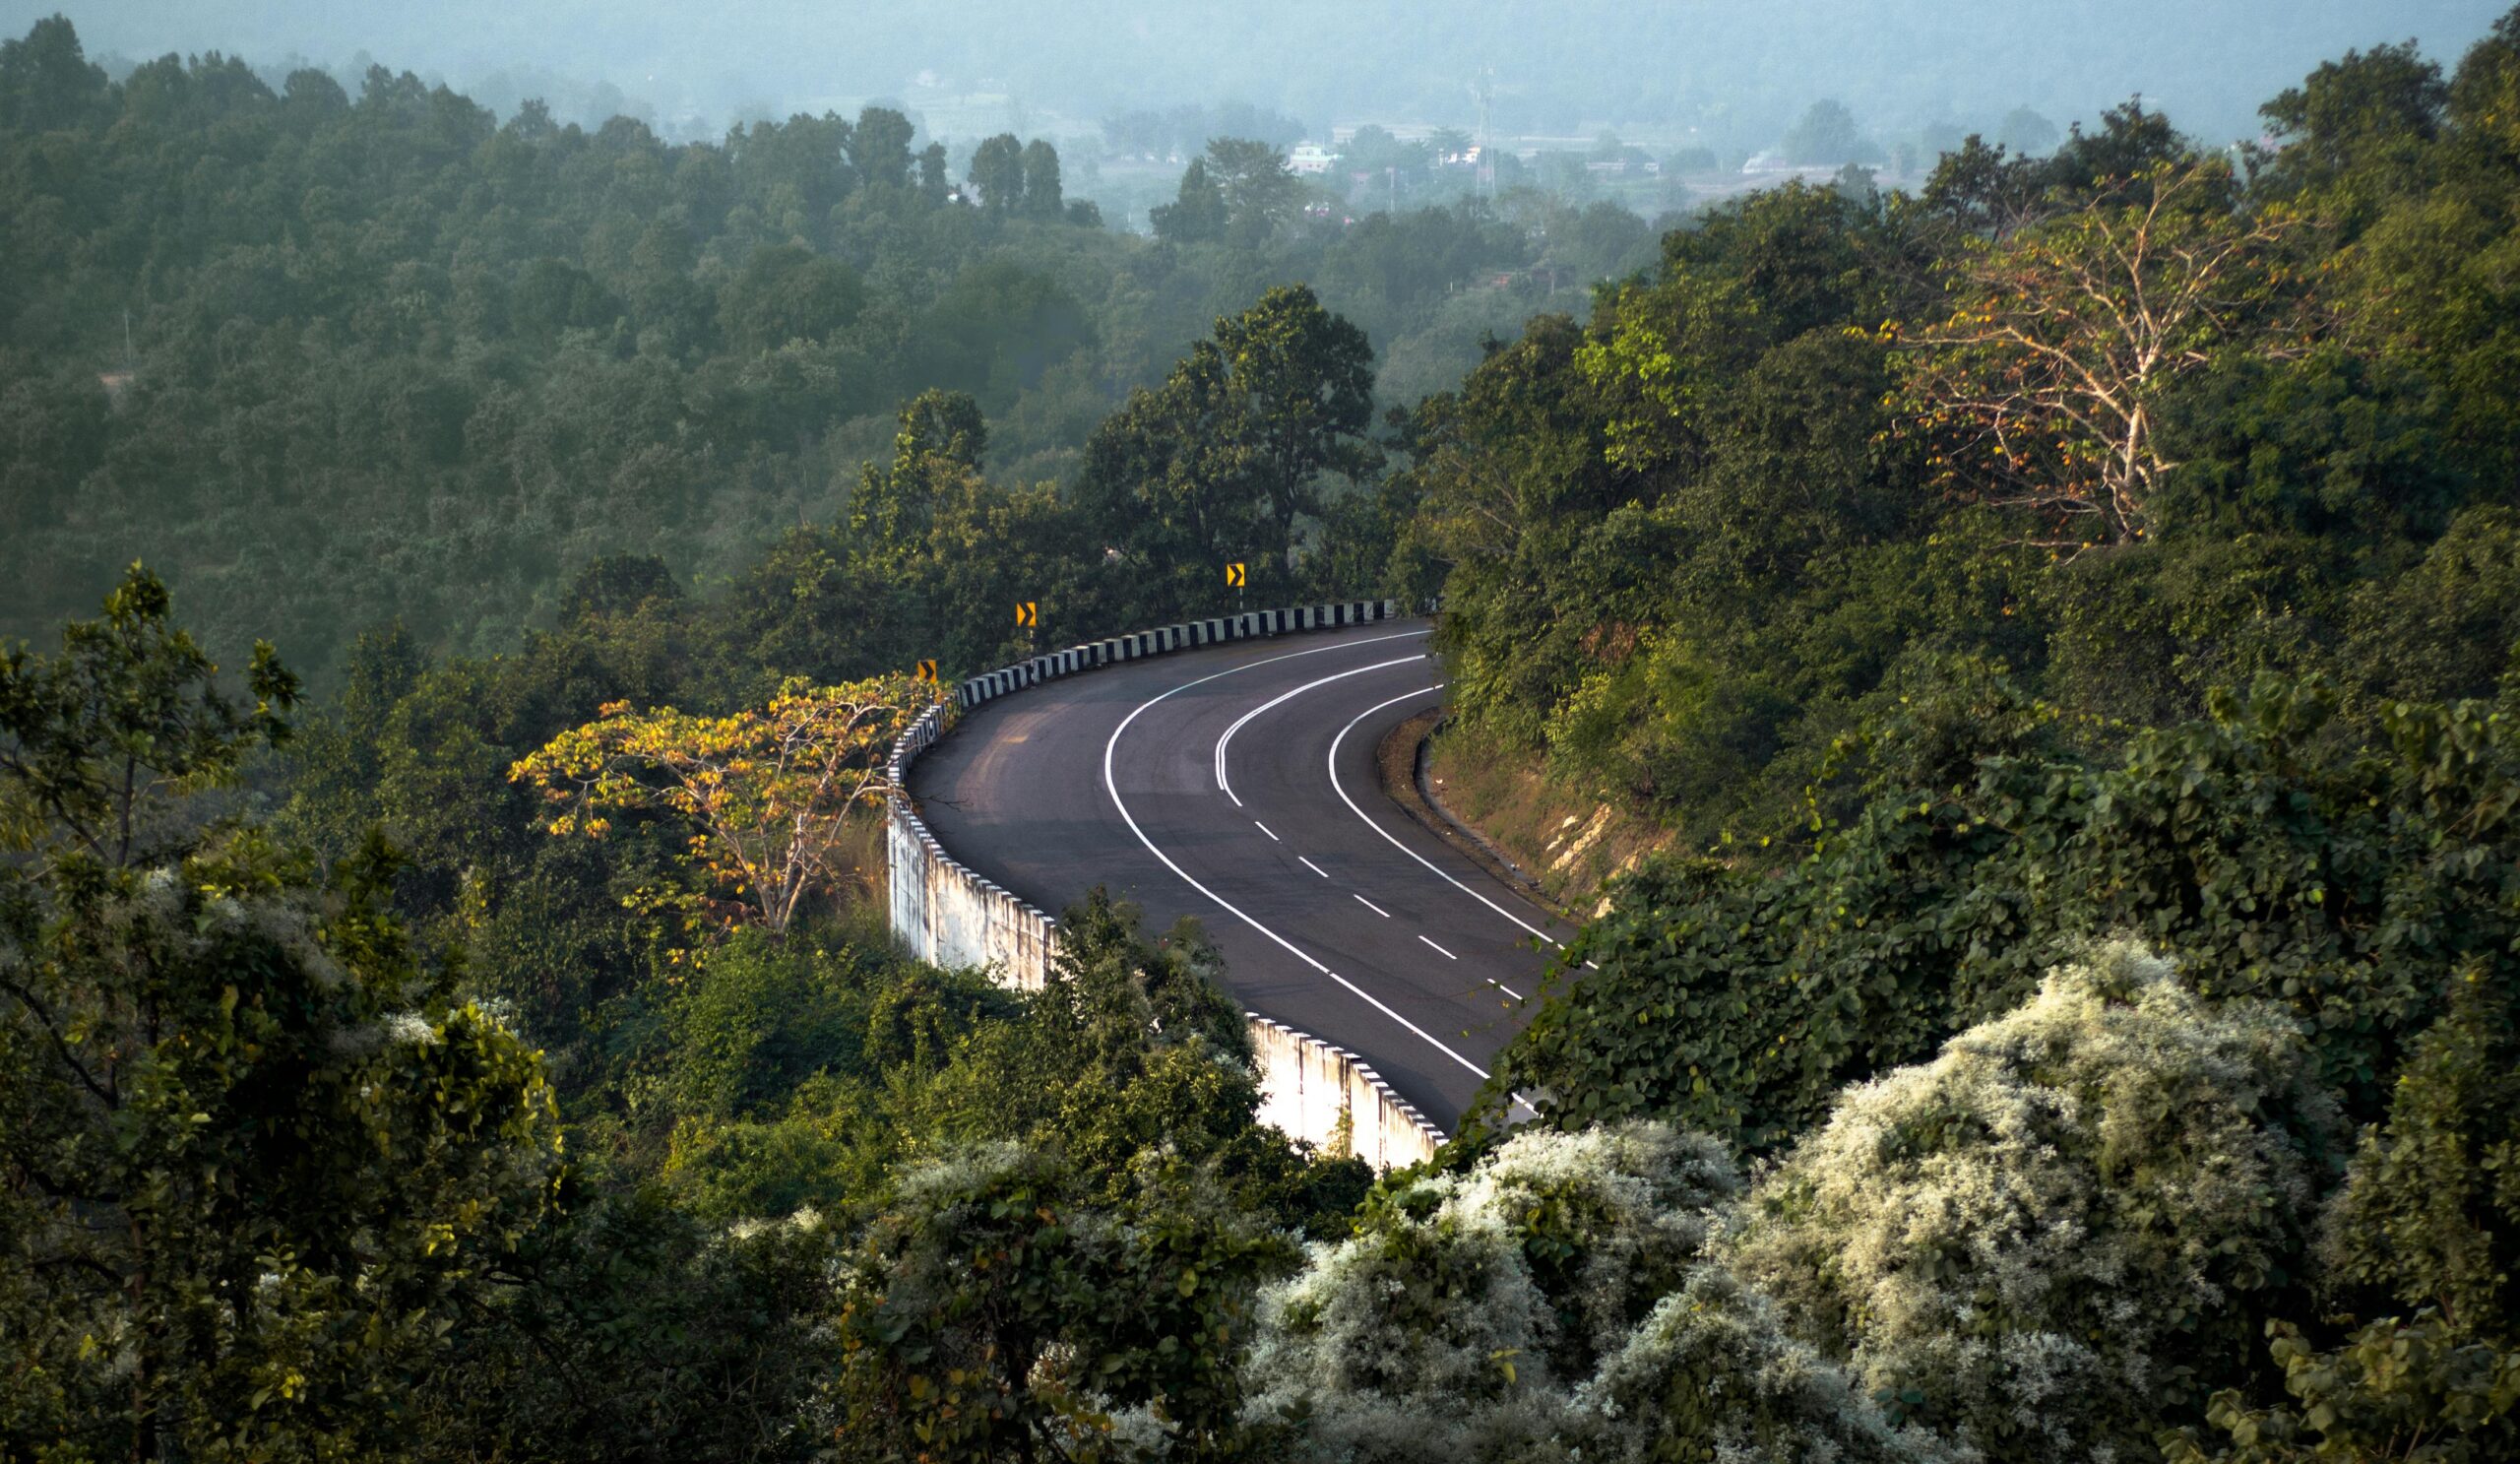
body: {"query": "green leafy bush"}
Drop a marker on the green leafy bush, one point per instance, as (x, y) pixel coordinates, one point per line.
(2428, 1221)
(2393, 1390)
(994, 1310)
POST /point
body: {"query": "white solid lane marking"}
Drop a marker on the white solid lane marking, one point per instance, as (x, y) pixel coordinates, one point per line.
(1112, 787)
(1264, 828)
(1403, 848)
(1309, 864)
(1225, 785)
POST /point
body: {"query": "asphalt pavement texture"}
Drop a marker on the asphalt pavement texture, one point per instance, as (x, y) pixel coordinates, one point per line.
(1236, 784)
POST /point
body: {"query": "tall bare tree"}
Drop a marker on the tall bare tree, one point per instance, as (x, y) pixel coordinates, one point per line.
(2041, 388)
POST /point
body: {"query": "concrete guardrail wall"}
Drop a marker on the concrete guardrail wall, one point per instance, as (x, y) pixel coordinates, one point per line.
(949, 916)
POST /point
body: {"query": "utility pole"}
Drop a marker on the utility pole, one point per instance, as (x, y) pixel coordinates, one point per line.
(1484, 88)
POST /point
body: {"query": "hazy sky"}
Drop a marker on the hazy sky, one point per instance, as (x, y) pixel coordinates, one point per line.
(1735, 70)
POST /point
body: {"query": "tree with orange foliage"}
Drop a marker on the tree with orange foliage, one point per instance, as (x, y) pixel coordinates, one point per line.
(764, 790)
(2041, 389)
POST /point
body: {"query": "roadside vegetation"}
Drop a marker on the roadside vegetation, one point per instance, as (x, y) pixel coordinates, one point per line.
(2059, 624)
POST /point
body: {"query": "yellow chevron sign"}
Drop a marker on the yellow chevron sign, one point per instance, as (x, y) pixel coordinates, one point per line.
(1236, 575)
(927, 671)
(1028, 612)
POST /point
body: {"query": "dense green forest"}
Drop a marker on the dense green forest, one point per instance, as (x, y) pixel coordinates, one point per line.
(386, 357)
(2064, 618)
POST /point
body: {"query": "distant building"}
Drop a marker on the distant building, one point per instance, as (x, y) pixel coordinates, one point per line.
(1311, 160)
(1771, 164)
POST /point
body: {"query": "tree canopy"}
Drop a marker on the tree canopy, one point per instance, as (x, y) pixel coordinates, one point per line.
(2046, 637)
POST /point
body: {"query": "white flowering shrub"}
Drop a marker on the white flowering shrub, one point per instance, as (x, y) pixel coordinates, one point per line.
(2058, 1231)
(1713, 1374)
(1550, 1303)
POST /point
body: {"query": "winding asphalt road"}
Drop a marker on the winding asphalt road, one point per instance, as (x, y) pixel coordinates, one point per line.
(1235, 782)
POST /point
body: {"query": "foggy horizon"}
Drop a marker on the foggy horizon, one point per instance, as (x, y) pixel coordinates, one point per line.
(1731, 75)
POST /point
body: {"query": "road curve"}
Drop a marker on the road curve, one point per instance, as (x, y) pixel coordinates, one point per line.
(1235, 782)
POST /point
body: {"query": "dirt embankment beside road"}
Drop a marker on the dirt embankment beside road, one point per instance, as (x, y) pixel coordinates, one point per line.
(1497, 808)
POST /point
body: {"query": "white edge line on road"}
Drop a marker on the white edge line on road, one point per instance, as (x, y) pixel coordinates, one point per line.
(1439, 951)
(1264, 828)
(1309, 864)
(1510, 991)
(1112, 787)
(1403, 848)
(1225, 785)
(1370, 905)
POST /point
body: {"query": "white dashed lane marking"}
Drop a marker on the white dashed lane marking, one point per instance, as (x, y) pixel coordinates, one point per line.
(1339, 788)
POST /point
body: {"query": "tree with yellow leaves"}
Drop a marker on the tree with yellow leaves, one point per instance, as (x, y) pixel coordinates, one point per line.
(2040, 390)
(764, 790)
